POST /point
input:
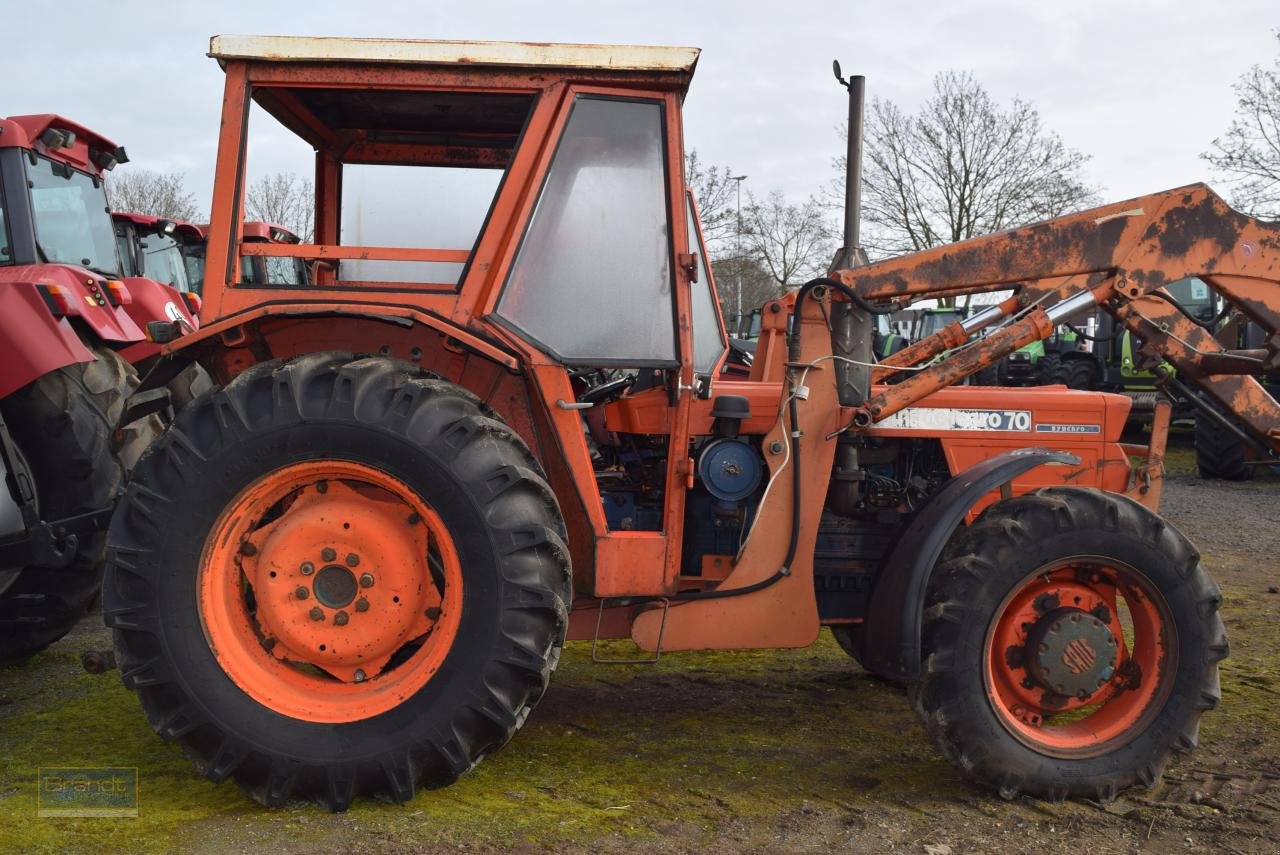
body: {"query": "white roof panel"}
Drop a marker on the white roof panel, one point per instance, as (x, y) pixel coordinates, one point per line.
(316, 49)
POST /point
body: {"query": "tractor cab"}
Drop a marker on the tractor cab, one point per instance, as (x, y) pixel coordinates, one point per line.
(59, 234)
(529, 207)
(55, 234)
(517, 202)
(156, 248)
(54, 196)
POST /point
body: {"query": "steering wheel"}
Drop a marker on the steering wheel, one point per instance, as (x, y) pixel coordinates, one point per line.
(607, 391)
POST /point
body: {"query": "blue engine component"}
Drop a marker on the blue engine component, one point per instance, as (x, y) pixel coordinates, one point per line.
(730, 469)
(624, 513)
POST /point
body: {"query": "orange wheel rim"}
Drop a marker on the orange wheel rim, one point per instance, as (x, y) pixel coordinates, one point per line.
(329, 591)
(1080, 656)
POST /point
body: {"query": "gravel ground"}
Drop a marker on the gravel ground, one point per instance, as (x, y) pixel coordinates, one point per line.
(768, 751)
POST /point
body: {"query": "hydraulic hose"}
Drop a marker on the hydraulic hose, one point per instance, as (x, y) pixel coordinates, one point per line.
(793, 340)
(1210, 325)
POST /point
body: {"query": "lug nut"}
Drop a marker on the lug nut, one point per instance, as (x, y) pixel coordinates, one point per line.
(359, 675)
(353, 560)
(366, 580)
(307, 568)
(362, 605)
(301, 592)
(340, 619)
(317, 613)
(328, 554)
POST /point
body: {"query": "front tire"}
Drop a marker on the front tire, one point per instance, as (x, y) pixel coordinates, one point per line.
(1219, 453)
(1047, 369)
(1076, 374)
(1071, 644)
(337, 576)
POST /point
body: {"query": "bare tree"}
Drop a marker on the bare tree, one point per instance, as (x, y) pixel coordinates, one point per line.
(715, 191)
(156, 194)
(283, 199)
(962, 166)
(1248, 154)
(757, 285)
(790, 242)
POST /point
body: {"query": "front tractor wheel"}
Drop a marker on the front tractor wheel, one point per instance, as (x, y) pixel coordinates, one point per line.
(337, 576)
(1071, 643)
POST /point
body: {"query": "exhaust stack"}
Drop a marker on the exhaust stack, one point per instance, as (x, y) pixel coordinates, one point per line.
(851, 254)
(852, 331)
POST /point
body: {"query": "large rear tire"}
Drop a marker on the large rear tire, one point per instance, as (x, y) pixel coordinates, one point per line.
(1071, 644)
(245, 538)
(65, 424)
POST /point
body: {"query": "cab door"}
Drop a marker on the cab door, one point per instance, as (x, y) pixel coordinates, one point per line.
(600, 287)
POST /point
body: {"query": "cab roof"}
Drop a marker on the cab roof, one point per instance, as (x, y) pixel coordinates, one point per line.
(84, 152)
(432, 103)
(641, 58)
(149, 222)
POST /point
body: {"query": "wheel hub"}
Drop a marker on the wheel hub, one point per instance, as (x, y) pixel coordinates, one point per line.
(335, 586)
(346, 618)
(1072, 652)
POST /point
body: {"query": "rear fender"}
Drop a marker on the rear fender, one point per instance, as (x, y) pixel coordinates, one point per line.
(32, 341)
(896, 606)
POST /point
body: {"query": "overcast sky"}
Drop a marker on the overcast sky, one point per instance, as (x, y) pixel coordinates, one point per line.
(1142, 87)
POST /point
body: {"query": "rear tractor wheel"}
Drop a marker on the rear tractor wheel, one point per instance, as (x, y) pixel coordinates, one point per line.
(337, 576)
(1071, 644)
(65, 425)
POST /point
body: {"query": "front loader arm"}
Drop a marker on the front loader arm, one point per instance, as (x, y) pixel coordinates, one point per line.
(1119, 257)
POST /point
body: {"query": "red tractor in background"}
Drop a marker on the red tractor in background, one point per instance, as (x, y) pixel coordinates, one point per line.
(70, 327)
(253, 268)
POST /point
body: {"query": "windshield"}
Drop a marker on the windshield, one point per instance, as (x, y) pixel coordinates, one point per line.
(73, 224)
(162, 261)
(933, 322)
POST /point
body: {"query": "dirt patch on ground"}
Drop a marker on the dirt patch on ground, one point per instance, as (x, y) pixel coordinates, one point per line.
(770, 751)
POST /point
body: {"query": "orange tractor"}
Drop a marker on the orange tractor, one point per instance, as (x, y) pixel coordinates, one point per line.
(351, 568)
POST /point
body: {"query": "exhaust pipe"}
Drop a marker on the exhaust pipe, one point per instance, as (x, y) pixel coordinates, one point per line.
(851, 254)
(852, 332)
